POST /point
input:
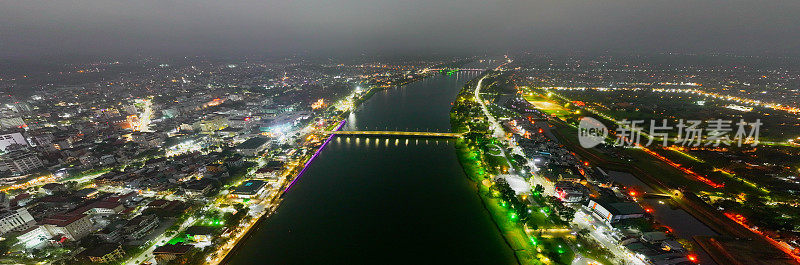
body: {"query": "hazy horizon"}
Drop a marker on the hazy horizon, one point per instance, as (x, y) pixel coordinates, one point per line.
(84, 28)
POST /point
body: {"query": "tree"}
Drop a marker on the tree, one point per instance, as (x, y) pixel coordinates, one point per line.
(6, 244)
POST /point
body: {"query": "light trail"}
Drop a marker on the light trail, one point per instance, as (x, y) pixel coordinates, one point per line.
(786, 248)
(754, 102)
(682, 169)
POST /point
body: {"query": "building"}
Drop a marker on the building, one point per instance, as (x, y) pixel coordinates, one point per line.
(10, 139)
(87, 193)
(130, 109)
(198, 187)
(113, 232)
(15, 220)
(43, 139)
(107, 160)
(21, 200)
(125, 199)
(214, 168)
(5, 201)
(252, 146)
(211, 123)
(240, 122)
(236, 161)
(105, 253)
(271, 170)
(250, 189)
(570, 192)
(140, 226)
(70, 226)
(21, 161)
(612, 212)
(53, 188)
(147, 139)
(34, 237)
(11, 122)
(170, 113)
(168, 252)
(201, 233)
(88, 160)
(101, 208)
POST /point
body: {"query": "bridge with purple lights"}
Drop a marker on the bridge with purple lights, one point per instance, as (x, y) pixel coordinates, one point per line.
(395, 133)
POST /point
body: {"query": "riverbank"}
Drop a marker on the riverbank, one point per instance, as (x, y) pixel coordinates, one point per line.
(525, 228)
(514, 236)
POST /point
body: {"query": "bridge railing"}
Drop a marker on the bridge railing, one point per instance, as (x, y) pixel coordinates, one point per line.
(396, 133)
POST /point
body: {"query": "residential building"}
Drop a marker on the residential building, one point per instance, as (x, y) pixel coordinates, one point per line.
(21, 161)
(70, 226)
(148, 139)
(17, 219)
(140, 226)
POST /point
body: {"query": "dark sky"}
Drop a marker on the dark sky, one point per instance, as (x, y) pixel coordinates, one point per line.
(63, 28)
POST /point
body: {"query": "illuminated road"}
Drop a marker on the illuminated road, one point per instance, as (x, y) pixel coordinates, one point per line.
(146, 115)
(597, 229)
(495, 126)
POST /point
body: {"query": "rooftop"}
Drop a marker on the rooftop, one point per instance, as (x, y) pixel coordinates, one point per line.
(250, 187)
(172, 249)
(252, 143)
(625, 208)
(62, 220)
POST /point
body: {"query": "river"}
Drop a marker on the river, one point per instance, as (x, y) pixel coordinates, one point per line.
(383, 200)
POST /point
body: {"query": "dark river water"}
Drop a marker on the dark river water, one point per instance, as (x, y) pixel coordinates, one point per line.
(380, 200)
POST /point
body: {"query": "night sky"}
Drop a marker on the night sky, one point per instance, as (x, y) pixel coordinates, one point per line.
(33, 28)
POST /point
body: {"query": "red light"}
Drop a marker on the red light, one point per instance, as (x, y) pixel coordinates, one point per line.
(586, 164)
(648, 210)
(692, 257)
(632, 193)
(540, 130)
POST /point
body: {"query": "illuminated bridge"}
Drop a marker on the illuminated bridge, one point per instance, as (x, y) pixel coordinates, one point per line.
(457, 69)
(396, 133)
